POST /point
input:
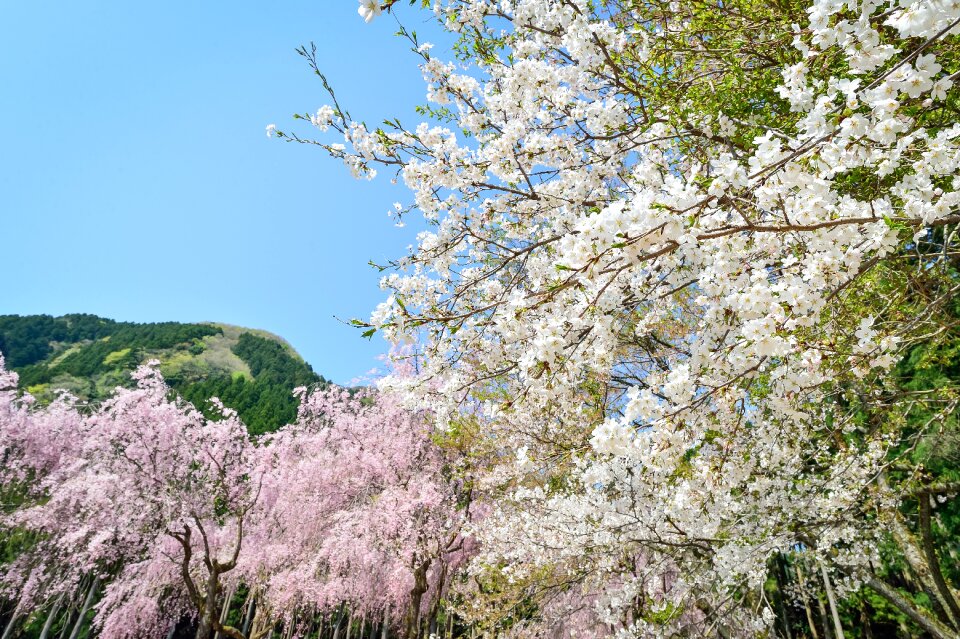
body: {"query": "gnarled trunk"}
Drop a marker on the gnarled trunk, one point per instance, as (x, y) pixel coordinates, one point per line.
(416, 599)
(208, 612)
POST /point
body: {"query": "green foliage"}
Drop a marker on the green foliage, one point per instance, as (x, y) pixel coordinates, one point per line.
(267, 402)
(90, 355)
(29, 340)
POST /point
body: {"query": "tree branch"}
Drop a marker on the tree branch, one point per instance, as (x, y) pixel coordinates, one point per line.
(929, 624)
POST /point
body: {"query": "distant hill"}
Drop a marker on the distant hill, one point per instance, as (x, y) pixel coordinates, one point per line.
(252, 371)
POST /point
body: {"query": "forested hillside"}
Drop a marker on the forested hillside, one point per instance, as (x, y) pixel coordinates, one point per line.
(251, 371)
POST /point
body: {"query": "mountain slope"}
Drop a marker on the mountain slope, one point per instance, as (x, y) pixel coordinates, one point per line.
(251, 371)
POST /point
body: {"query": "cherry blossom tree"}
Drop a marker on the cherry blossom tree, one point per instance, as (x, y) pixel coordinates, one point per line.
(365, 513)
(33, 446)
(675, 256)
(144, 493)
(354, 512)
(670, 246)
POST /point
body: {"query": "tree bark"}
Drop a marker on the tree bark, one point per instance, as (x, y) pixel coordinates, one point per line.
(416, 599)
(291, 625)
(208, 608)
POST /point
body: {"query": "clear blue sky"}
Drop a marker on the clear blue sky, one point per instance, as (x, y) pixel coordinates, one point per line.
(137, 183)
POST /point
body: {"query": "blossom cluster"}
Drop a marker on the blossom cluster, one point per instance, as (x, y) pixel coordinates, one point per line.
(173, 511)
(651, 266)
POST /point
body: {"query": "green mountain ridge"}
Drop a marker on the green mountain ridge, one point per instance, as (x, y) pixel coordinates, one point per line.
(250, 370)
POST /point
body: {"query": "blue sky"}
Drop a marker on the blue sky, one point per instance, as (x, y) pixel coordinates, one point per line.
(137, 183)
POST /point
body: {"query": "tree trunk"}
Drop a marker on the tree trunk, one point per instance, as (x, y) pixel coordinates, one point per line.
(50, 617)
(806, 602)
(918, 568)
(913, 555)
(248, 617)
(781, 577)
(416, 599)
(933, 562)
(865, 621)
(225, 612)
(261, 622)
(824, 619)
(386, 622)
(67, 619)
(209, 609)
(8, 631)
(336, 624)
(291, 625)
(435, 606)
(837, 626)
(85, 608)
(205, 627)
